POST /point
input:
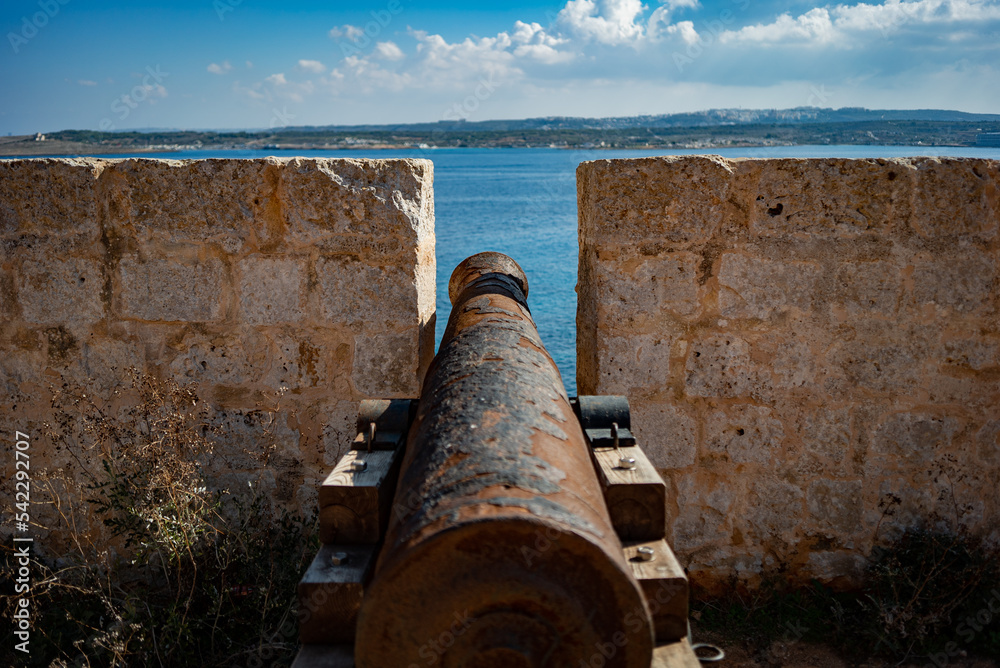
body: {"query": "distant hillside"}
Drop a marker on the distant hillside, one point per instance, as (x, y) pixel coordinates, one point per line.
(705, 130)
(709, 118)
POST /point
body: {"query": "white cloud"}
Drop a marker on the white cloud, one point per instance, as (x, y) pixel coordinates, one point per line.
(686, 31)
(276, 79)
(224, 68)
(389, 51)
(346, 32)
(815, 26)
(852, 25)
(87, 82)
(312, 66)
(611, 22)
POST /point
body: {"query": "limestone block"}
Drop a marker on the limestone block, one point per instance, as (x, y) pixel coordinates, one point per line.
(354, 292)
(666, 433)
(696, 528)
(826, 197)
(956, 197)
(911, 438)
(744, 433)
(754, 287)
(60, 290)
(102, 362)
(790, 356)
(635, 362)
(826, 431)
(172, 288)
(988, 441)
(326, 201)
(836, 564)
(231, 202)
(977, 353)
(50, 198)
(272, 289)
(870, 365)
(720, 366)
(867, 287)
(648, 287)
(680, 200)
(384, 365)
(963, 282)
(301, 358)
(774, 508)
(8, 296)
(225, 356)
(835, 505)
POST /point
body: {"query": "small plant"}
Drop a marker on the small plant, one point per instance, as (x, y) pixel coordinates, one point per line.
(163, 567)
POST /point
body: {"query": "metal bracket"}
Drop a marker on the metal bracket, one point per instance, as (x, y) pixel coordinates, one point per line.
(598, 416)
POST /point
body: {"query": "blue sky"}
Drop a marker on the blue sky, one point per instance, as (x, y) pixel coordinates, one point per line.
(86, 64)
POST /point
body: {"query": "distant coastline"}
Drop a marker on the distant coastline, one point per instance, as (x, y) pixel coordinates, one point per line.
(710, 130)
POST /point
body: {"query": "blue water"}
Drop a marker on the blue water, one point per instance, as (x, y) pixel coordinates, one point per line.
(522, 202)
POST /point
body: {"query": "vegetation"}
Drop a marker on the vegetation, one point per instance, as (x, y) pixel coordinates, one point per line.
(928, 596)
(178, 571)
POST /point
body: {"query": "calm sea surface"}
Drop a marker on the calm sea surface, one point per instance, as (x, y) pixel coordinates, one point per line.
(522, 202)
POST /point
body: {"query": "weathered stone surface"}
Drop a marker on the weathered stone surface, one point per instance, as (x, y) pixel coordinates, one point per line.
(666, 434)
(230, 202)
(50, 198)
(962, 282)
(383, 365)
(752, 287)
(635, 362)
(53, 290)
(354, 292)
(956, 198)
(911, 438)
(868, 287)
(272, 289)
(842, 314)
(172, 289)
(720, 366)
(745, 433)
(326, 199)
(282, 291)
(679, 200)
(835, 505)
(826, 197)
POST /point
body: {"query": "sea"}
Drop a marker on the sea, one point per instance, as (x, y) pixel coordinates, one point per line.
(522, 202)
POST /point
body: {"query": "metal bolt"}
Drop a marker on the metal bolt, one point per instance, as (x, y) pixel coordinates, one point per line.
(627, 463)
(339, 558)
(359, 465)
(645, 553)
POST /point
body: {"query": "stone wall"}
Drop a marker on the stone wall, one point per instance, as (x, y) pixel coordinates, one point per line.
(236, 277)
(802, 341)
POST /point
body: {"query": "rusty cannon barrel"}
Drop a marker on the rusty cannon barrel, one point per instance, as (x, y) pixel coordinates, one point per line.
(500, 552)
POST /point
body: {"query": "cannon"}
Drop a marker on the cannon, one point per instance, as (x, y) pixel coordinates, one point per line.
(481, 525)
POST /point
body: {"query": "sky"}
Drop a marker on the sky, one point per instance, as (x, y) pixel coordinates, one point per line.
(249, 64)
